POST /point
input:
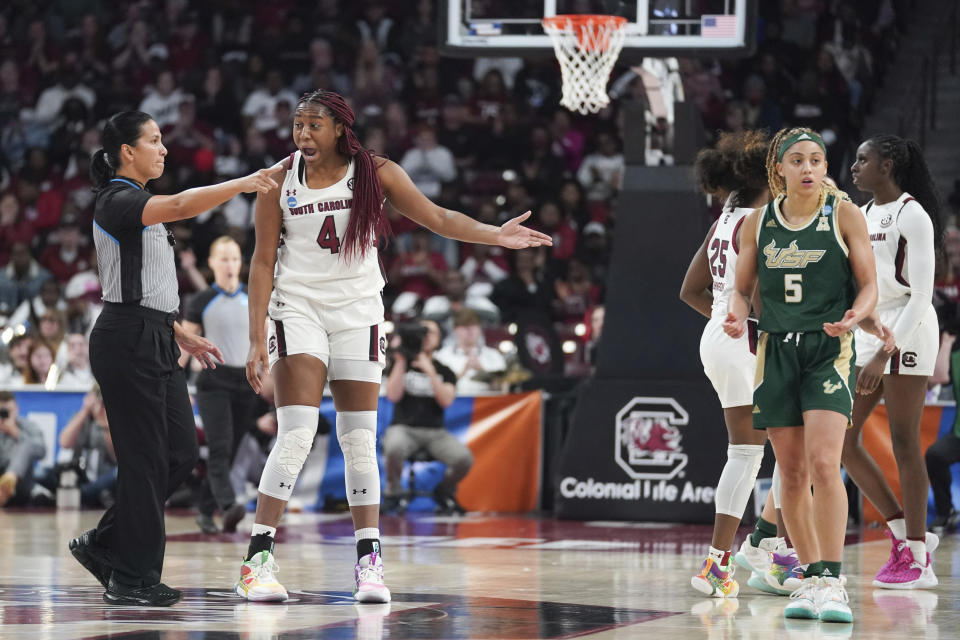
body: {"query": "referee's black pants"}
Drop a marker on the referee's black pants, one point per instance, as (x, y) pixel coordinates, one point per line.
(225, 402)
(133, 355)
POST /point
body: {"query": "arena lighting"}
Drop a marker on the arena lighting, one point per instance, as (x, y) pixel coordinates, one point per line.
(20, 329)
(387, 327)
(569, 346)
(512, 328)
(509, 175)
(6, 335)
(507, 346)
(501, 200)
(580, 329)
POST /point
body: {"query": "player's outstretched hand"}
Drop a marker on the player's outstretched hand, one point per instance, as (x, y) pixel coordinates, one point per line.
(515, 236)
(261, 181)
(835, 329)
(258, 363)
(734, 326)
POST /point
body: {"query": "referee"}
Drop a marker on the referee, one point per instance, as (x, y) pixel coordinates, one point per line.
(133, 354)
(225, 400)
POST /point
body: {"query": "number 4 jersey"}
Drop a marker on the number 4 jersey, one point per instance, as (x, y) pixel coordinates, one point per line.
(310, 260)
(802, 270)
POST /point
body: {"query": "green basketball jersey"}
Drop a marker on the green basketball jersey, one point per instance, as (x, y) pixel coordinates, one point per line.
(803, 272)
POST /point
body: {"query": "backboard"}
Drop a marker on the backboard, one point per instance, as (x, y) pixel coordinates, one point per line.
(656, 28)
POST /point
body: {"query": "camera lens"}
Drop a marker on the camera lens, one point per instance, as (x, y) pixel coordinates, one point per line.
(4, 413)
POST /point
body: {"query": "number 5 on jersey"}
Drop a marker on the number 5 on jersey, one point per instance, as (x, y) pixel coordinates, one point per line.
(327, 238)
(793, 287)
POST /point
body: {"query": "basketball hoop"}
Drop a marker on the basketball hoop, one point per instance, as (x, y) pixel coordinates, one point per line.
(587, 47)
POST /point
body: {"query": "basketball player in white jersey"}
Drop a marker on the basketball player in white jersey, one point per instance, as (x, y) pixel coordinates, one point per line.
(316, 252)
(735, 171)
(904, 227)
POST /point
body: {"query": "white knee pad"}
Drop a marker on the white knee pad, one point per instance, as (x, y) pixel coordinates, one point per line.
(357, 434)
(775, 486)
(738, 477)
(296, 427)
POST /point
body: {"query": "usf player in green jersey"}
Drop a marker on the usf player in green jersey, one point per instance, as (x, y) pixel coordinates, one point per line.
(809, 254)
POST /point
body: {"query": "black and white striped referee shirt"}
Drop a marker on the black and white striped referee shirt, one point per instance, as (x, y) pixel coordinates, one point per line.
(136, 262)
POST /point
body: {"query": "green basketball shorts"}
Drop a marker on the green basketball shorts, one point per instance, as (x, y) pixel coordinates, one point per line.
(799, 372)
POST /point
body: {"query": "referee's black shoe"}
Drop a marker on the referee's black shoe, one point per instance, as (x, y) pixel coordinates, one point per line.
(156, 595)
(93, 557)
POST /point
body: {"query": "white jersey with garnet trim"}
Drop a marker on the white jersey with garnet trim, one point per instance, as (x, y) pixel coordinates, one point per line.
(722, 252)
(899, 231)
(310, 259)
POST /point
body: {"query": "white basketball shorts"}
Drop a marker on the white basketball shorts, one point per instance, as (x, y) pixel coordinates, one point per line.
(915, 357)
(346, 336)
(729, 363)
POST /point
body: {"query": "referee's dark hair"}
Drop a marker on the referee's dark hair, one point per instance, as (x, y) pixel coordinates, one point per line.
(123, 128)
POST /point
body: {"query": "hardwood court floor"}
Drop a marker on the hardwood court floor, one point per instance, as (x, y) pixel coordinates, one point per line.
(474, 577)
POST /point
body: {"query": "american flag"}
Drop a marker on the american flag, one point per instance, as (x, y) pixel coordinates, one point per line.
(718, 26)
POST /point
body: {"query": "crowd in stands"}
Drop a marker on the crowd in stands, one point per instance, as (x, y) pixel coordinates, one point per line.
(482, 136)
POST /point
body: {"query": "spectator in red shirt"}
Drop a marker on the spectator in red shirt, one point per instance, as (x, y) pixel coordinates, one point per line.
(188, 45)
(13, 226)
(419, 270)
(550, 219)
(67, 257)
(576, 292)
(185, 135)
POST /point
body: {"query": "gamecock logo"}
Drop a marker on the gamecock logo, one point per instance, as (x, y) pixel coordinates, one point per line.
(648, 438)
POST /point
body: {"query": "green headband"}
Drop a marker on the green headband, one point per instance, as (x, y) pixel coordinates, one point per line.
(797, 137)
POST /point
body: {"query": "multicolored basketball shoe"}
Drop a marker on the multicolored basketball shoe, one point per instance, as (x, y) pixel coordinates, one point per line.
(803, 601)
(784, 574)
(715, 580)
(257, 581)
(368, 574)
(757, 558)
(894, 574)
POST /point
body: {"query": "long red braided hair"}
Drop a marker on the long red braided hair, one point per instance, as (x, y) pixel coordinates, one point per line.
(368, 223)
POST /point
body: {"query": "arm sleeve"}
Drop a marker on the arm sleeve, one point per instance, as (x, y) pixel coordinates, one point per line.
(915, 226)
(29, 449)
(121, 211)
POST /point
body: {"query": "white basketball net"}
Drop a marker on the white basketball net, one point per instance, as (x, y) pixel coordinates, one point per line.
(587, 51)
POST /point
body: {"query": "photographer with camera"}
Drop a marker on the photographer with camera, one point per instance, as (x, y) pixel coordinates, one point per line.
(88, 434)
(21, 446)
(421, 388)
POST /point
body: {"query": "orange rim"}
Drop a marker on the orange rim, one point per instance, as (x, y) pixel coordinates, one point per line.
(581, 21)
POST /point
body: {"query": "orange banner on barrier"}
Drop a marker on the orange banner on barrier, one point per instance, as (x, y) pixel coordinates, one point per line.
(876, 439)
(504, 436)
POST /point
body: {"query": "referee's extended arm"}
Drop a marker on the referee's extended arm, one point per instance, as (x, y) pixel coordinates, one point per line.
(193, 202)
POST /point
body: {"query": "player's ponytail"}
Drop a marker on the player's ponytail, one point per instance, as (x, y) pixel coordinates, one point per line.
(736, 166)
(122, 128)
(368, 222)
(749, 165)
(713, 171)
(911, 174)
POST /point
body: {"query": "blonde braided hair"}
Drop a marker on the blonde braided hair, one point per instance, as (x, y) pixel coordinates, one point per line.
(778, 184)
